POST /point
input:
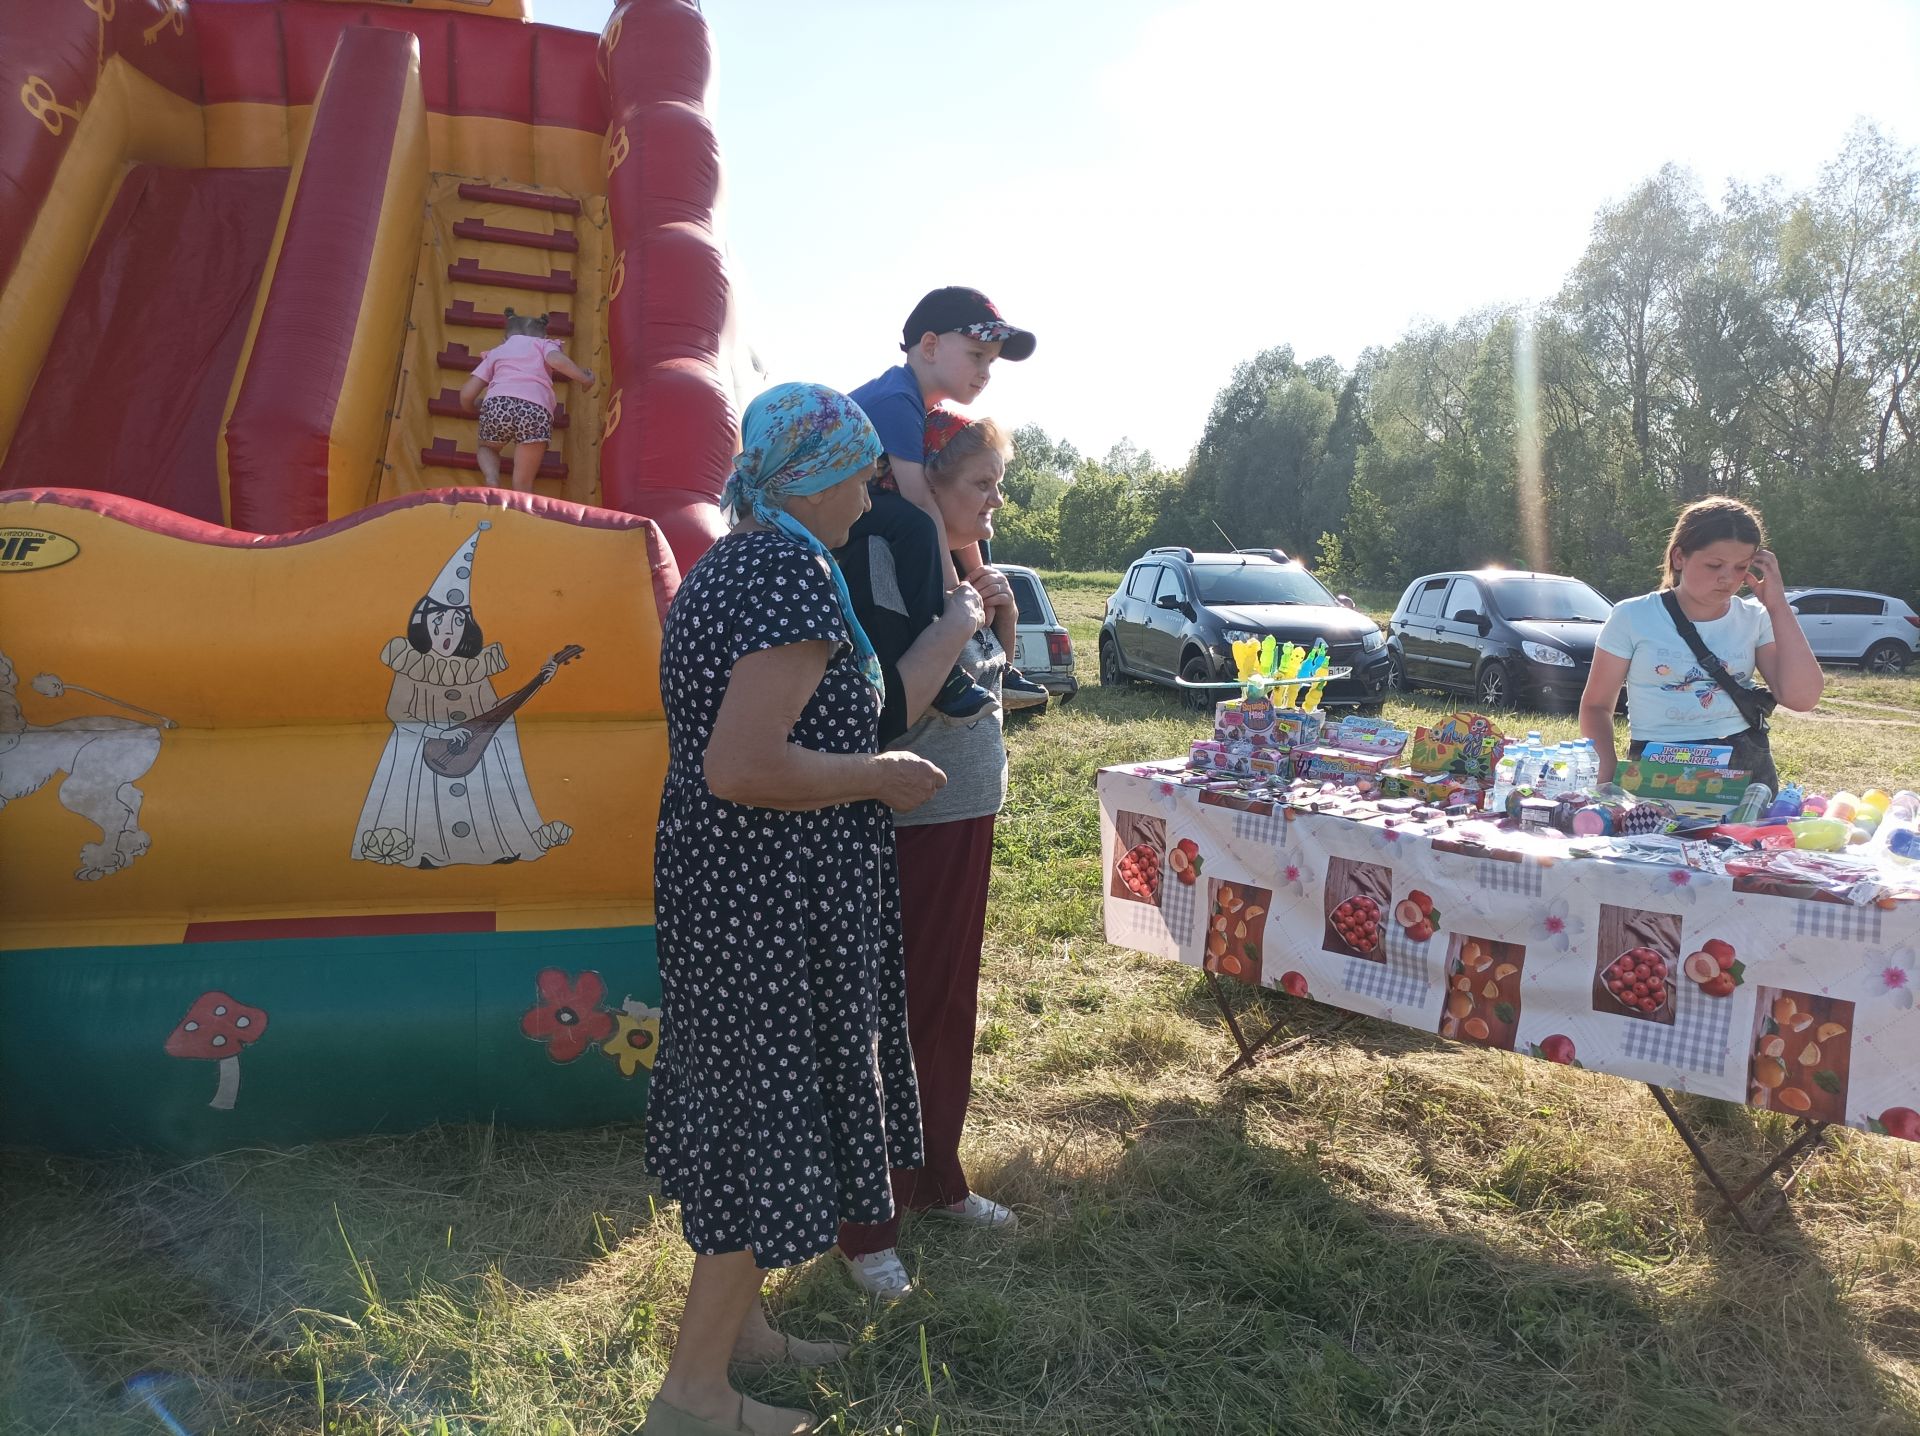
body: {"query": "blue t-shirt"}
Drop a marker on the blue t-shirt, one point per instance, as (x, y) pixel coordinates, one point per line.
(899, 413)
(1670, 697)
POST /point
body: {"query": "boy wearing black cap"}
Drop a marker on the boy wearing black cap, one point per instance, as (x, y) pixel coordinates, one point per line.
(950, 339)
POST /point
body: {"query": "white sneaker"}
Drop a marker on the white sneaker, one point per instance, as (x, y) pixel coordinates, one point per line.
(978, 1211)
(880, 1274)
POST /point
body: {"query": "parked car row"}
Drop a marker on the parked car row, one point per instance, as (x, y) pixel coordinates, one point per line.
(1527, 639)
(1504, 638)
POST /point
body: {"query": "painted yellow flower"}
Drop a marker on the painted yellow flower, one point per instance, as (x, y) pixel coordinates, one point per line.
(636, 1041)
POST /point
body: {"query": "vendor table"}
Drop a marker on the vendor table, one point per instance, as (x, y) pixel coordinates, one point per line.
(1521, 947)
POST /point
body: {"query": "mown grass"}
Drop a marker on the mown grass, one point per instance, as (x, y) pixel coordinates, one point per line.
(1373, 1232)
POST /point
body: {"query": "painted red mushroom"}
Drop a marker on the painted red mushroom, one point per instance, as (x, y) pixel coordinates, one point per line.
(214, 1030)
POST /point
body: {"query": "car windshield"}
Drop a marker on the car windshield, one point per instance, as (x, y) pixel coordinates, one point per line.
(1232, 583)
(1549, 600)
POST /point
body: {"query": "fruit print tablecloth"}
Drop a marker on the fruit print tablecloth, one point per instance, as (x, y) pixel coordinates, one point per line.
(1667, 975)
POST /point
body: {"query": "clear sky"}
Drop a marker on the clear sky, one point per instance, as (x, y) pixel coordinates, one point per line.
(1161, 189)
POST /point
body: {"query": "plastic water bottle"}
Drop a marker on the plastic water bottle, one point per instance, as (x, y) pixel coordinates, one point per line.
(1503, 782)
(1559, 771)
(1533, 762)
(1517, 755)
(1590, 759)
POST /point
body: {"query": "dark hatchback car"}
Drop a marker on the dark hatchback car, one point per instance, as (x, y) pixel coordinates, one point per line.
(1506, 638)
(1176, 612)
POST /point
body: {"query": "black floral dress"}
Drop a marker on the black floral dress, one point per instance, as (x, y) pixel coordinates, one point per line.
(784, 1088)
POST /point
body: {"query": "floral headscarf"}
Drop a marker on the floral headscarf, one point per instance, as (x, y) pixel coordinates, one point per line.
(800, 439)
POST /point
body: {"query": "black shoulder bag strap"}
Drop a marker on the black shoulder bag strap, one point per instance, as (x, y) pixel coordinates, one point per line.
(1754, 703)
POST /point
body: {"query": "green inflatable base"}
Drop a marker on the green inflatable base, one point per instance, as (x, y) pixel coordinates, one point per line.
(111, 1047)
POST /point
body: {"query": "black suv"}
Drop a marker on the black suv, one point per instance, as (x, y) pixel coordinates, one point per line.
(1505, 637)
(1177, 611)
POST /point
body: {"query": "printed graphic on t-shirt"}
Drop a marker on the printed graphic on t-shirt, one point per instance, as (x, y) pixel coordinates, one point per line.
(1695, 683)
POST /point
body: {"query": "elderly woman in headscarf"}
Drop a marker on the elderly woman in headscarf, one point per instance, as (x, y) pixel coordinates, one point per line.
(784, 1090)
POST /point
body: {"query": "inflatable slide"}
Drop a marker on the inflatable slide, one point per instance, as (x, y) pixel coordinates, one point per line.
(328, 779)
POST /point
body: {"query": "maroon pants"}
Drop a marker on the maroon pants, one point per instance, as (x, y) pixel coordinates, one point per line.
(944, 868)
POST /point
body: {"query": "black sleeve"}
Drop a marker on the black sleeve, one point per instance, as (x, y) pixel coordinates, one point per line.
(890, 631)
(915, 544)
(891, 638)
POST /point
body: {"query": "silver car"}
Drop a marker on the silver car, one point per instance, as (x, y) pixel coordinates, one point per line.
(1850, 625)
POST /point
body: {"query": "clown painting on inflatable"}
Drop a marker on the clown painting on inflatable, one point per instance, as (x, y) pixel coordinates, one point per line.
(451, 787)
(318, 755)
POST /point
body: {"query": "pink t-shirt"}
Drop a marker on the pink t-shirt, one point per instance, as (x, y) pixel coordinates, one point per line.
(517, 369)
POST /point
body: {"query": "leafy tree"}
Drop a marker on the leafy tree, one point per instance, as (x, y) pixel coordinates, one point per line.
(1765, 346)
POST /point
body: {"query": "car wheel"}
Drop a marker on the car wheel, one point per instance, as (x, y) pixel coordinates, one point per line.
(1197, 670)
(1396, 675)
(1887, 657)
(1492, 688)
(1110, 674)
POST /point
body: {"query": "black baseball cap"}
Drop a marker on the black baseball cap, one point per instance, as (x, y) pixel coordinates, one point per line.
(967, 311)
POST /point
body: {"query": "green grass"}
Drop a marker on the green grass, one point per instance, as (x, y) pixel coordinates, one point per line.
(1373, 1232)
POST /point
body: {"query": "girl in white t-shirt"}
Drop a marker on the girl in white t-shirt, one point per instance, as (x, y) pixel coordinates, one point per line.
(1717, 546)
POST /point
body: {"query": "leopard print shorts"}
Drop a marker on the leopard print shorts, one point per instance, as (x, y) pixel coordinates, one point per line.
(506, 421)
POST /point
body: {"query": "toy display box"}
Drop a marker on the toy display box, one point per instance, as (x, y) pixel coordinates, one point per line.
(1257, 721)
(1442, 790)
(1238, 759)
(1370, 736)
(1464, 745)
(1351, 749)
(1340, 764)
(1688, 787)
(1698, 755)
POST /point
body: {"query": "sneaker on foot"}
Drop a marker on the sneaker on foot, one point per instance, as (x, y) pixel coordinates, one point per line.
(978, 1211)
(961, 698)
(1017, 691)
(881, 1274)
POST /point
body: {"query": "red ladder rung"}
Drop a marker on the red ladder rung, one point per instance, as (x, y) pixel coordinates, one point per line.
(524, 199)
(482, 232)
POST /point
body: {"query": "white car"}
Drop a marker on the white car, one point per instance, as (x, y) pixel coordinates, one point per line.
(1046, 652)
(1849, 625)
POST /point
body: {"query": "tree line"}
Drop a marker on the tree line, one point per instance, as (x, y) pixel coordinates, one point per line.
(1765, 347)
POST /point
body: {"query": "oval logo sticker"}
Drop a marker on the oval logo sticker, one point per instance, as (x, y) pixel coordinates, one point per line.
(22, 549)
